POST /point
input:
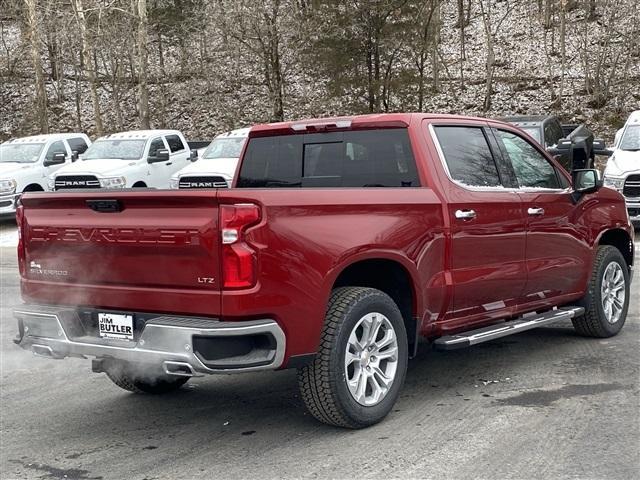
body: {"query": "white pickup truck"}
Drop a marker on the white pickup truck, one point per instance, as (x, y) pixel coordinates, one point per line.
(26, 163)
(217, 165)
(142, 158)
(623, 168)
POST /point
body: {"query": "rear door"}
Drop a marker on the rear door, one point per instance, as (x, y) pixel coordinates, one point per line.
(487, 225)
(138, 249)
(557, 251)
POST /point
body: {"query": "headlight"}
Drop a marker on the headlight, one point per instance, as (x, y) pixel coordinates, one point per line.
(174, 183)
(113, 182)
(613, 182)
(51, 183)
(8, 186)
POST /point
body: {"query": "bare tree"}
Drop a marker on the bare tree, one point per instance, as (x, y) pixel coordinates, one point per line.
(143, 54)
(490, 29)
(36, 59)
(89, 65)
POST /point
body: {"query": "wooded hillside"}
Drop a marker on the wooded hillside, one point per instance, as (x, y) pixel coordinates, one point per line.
(101, 66)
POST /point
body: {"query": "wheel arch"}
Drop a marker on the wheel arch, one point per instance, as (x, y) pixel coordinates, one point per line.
(139, 184)
(620, 239)
(33, 187)
(390, 273)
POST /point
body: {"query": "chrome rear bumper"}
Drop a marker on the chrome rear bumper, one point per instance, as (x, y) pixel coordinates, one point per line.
(184, 346)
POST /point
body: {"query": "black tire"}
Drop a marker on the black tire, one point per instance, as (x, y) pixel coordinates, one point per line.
(323, 384)
(143, 379)
(594, 322)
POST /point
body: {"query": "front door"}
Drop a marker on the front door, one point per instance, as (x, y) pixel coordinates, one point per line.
(556, 249)
(487, 227)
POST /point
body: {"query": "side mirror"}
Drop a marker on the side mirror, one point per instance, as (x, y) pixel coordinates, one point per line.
(74, 155)
(57, 159)
(194, 155)
(586, 181)
(600, 148)
(160, 156)
(564, 146)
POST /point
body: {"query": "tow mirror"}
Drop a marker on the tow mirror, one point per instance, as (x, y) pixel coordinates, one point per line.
(57, 159)
(586, 181)
(600, 148)
(160, 156)
(194, 155)
(74, 155)
(564, 146)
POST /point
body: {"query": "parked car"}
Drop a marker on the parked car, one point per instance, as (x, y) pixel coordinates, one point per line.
(217, 164)
(25, 164)
(560, 139)
(623, 168)
(343, 243)
(142, 158)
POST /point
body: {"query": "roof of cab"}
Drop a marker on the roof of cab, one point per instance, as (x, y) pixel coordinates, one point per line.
(44, 138)
(634, 117)
(355, 122)
(139, 134)
(238, 133)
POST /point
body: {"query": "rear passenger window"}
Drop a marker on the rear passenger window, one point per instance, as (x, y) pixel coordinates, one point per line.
(77, 144)
(175, 143)
(468, 156)
(371, 158)
(531, 168)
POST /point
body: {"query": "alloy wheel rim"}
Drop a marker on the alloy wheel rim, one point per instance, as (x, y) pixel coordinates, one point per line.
(371, 359)
(613, 292)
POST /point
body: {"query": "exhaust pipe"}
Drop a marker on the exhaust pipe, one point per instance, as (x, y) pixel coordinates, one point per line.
(42, 351)
(180, 369)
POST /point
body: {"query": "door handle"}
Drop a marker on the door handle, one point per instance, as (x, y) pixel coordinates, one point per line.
(465, 214)
(169, 163)
(535, 211)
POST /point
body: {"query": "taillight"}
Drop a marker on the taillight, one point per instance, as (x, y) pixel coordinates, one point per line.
(239, 260)
(21, 252)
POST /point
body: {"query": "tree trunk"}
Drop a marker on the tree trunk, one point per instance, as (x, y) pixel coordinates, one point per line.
(89, 64)
(563, 28)
(36, 59)
(143, 53)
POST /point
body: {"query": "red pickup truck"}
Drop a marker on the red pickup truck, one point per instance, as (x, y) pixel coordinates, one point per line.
(343, 244)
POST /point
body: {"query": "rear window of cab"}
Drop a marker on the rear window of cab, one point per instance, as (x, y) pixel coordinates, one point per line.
(360, 158)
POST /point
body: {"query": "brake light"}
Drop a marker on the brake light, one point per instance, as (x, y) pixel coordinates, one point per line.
(239, 260)
(21, 251)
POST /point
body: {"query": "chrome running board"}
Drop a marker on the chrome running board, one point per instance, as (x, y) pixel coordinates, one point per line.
(527, 322)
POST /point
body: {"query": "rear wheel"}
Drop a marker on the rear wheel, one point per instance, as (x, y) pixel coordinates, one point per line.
(142, 379)
(607, 299)
(360, 367)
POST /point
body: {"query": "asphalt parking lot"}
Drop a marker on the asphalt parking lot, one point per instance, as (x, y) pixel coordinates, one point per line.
(543, 404)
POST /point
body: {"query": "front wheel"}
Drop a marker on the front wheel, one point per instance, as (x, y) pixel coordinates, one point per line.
(360, 367)
(143, 379)
(607, 299)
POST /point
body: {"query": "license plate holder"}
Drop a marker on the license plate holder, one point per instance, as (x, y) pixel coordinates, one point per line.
(115, 326)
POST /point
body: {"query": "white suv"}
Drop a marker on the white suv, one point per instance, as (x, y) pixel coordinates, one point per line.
(26, 163)
(218, 164)
(623, 168)
(143, 158)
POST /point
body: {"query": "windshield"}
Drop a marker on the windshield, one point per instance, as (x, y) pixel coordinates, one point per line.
(224, 148)
(20, 152)
(121, 149)
(534, 132)
(631, 138)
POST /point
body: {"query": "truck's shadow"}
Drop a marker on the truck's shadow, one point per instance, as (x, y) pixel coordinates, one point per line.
(244, 404)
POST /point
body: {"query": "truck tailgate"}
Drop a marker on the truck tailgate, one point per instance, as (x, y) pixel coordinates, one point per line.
(120, 248)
